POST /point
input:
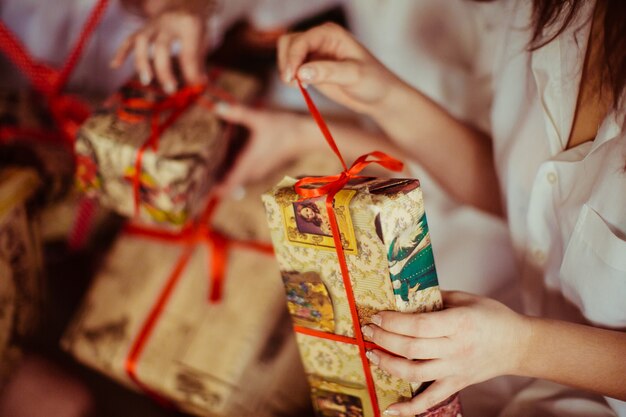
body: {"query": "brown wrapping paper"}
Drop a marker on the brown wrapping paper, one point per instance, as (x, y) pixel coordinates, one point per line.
(177, 176)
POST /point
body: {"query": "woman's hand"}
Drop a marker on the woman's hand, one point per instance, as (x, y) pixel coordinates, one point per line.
(329, 58)
(276, 137)
(153, 43)
(473, 339)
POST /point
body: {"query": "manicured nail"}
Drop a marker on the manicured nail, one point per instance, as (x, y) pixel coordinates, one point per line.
(372, 357)
(377, 320)
(288, 75)
(145, 78)
(389, 412)
(307, 74)
(367, 331)
(221, 108)
(170, 88)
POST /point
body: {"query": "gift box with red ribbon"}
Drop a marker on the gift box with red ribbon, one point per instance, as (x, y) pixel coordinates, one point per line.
(197, 318)
(21, 281)
(349, 246)
(155, 157)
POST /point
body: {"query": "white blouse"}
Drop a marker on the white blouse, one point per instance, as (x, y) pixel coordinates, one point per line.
(566, 208)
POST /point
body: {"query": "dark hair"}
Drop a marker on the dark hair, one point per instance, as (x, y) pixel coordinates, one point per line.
(311, 205)
(552, 17)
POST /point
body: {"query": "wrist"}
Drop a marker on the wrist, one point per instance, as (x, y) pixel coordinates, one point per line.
(529, 330)
(391, 109)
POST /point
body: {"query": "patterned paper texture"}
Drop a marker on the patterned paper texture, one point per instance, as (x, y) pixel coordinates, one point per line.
(385, 235)
(246, 332)
(21, 284)
(177, 176)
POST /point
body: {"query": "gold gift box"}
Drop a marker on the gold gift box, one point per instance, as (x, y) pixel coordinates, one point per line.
(176, 176)
(385, 237)
(238, 357)
(21, 283)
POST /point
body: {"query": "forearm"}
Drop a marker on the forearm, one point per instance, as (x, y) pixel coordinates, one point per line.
(584, 357)
(456, 154)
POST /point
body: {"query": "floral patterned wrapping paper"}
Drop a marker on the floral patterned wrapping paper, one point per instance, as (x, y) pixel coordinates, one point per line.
(237, 358)
(21, 282)
(177, 176)
(389, 256)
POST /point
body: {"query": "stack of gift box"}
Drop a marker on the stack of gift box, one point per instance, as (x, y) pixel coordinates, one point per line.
(186, 307)
(192, 305)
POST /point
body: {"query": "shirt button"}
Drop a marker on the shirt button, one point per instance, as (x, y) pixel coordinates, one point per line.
(551, 177)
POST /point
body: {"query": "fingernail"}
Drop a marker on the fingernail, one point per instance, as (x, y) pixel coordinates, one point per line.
(169, 88)
(367, 331)
(306, 74)
(145, 78)
(288, 75)
(372, 357)
(377, 320)
(221, 108)
(305, 86)
(389, 412)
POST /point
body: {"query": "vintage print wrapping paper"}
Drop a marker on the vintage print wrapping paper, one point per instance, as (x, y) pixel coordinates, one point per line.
(389, 257)
(180, 166)
(21, 284)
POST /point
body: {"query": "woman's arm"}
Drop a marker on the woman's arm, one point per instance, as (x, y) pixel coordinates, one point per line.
(584, 357)
(476, 338)
(456, 154)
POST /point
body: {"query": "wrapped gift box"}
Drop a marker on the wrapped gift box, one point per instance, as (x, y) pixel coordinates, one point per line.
(389, 257)
(238, 357)
(28, 138)
(21, 284)
(177, 169)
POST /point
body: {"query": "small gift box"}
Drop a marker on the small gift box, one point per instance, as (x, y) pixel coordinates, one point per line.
(153, 156)
(348, 247)
(156, 330)
(21, 284)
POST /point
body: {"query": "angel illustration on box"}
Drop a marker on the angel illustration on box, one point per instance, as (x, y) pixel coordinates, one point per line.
(411, 262)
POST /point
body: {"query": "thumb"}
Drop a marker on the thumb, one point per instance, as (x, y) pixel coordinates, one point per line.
(331, 72)
(235, 113)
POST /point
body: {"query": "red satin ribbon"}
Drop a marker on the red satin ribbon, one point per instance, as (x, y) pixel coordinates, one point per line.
(67, 111)
(219, 247)
(329, 186)
(176, 104)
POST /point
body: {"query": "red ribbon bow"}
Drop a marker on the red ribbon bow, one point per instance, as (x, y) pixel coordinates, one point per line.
(329, 186)
(219, 246)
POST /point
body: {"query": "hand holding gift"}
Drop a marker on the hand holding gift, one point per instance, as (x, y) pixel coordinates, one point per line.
(152, 44)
